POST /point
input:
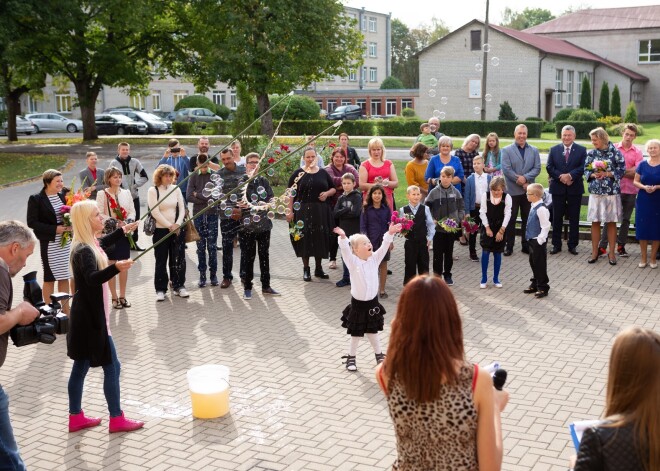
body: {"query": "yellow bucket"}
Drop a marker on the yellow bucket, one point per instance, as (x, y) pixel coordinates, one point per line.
(209, 391)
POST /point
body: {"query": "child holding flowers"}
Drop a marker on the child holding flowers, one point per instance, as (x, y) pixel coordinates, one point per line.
(419, 231)
(447, 210)
(374, 222)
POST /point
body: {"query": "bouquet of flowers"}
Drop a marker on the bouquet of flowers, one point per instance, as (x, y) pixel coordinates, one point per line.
(65, 211)
(296, 231)
(72, 196)
(449, 225)
(470, 225)
(597, 166)
(406, 221)
(118, 214)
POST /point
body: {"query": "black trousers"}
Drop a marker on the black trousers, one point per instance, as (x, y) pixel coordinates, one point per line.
(472, 239)
(443, 253)
(136, 203)
(518, 202)
(251, 244)
(416, 256)
(566, 206)
(172, 254)
(229, 229)
(538, 260)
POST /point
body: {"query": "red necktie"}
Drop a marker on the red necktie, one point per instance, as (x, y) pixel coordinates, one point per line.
(566, 154)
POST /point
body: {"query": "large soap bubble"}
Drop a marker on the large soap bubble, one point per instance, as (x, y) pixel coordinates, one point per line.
(444, 100)
(433, 82)
(432, 93)
(478, 67)
(495, 61)
(486, 47)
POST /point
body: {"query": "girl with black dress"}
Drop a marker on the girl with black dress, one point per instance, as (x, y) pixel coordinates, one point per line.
(495, 213)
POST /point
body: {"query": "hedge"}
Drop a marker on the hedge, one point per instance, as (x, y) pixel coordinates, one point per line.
(582, 128)
(483, 128)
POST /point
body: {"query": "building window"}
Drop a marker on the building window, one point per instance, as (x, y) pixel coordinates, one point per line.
(366, 49)
(362, 103)
(345, 101)
(637, 97)
(32, 104)
(233, 102)
(475, 40)
(364, 23)
(363, 77)
(320, 103)
(373, 74)
(649, 51)
(406, 103)
(372, 24)
(390, 107)
(139, 102)
(372, 49)
(569, 88)
(331, 106)
(63, 103)
(180, 95)
(219, 97)
(559, 83)
(375, 108)
(155, 101)
(352, 76)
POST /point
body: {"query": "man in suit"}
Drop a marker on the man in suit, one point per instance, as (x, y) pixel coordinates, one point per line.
(565, 169)
(521, 164)
(91, 177)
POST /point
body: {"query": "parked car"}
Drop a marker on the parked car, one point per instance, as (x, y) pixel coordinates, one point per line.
(54, 122)
(118, 124)
(23, 126)
(346, 112)
(155, 124)
(193, 115)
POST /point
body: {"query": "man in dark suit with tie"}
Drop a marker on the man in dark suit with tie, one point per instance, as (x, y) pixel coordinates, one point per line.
(565, 170)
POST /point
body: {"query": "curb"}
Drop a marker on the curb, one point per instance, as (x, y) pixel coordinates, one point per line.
(68, 165)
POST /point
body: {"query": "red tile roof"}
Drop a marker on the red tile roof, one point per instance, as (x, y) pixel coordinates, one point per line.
(602, 19)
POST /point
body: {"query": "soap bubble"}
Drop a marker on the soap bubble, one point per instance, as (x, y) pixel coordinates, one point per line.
(434, 82)
(256, 218)
(214, 178)
(206, 192)
(300, 224)
(296, 205)
(293, 192)
(432, 93)
(495, 61)
(442, 115)
(210, 202)
(520, 70)
(260, 189)
(233, 198)
(280, 209)
(476, 110)
(287, 211)
(228, 212)
(486, 47)
(270, 172)
(488, 97)
(271, 215)
(253, 198)
(253, 211)
(436, 113)
(478, 67)
(246, 221)
(223, 205)
(210, 185)
(215, 193)
(263, 194)
(444, 100)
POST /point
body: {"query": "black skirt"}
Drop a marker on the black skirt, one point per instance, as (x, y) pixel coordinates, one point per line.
(363, 317)
(489, 243)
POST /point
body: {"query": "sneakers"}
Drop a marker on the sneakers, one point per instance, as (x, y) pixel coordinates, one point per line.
(270, 291)
(160, 296)
(380, 357)
(202, 281)
(341, 283)
(181, 292)
(602, 251)
(621, 251)
(449, 281)
(79, 421)
(247, 294)
(497, 284)
(122, 424)
(474, 257)
(483, 285)
(214, 280)
(350, 362)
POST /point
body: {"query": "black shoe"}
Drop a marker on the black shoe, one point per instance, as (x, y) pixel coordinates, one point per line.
(307, 275)
(612, 261)
(350, 363)
(449, 281)
(474, 257)
(541, 294)
(321, 274)
(380, 357)
(389, 272)
(525, 249)
(592, 260)
(529, 290)
(508, 252)
(572, 250)
(555, 250)
(621, 251)
(138, 248)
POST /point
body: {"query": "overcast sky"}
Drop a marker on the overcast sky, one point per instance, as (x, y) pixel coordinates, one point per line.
(454, 15)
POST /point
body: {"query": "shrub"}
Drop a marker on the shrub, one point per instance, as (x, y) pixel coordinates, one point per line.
(582, 115)
(631, 113)
(184, 129)
(604, 100)
(562, 115)
(300, 107)
(195, 101)
(222, 111)
(506, 113)
(399, 127)
(534, 118)
(303, 128)
(548, 127)
(221, 128)
(408, 113)
(358, 127)
(188, 129)
(608, 121)
(582, 128)
(585, 94)
(391, 83)
(616, 102)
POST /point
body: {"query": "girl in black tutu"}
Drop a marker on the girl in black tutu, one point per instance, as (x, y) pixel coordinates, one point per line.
(365, 314)
(495, 214)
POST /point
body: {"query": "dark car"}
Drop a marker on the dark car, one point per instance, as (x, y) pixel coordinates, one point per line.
(118, 124)
(346, 112)
(155, 125)
(194, 115)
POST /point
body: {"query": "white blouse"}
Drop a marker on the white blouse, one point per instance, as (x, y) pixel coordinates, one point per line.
(124, 199)
(165, 212)
(484, 207)
(364, 273)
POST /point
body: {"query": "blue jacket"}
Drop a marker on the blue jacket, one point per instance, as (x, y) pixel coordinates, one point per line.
(557, 166)
(469, 198)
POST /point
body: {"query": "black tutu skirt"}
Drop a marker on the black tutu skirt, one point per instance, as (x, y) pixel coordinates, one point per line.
(363, 317)
(489, 243)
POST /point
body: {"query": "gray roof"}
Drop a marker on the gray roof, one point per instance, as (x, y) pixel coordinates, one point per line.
(602, 19)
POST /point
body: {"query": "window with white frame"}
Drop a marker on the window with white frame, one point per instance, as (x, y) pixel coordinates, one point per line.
(233, 102)
(364, 23)
(375, 108)
(139, 102)
(362, 103)
(179, 95)
(155, 100)
(390, 107)
(320, 103)
(352, 76)
(559, 83)
(569, 88)
(345, 101)
(649, 51)
(219, 97)
(372, 24)
(331, 106)
(32, 104)
(373, 74)
(372, 49)
(63, 102)
(364, 74)
(406, 103)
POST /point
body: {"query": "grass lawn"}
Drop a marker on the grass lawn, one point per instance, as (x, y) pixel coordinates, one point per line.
(16, 167)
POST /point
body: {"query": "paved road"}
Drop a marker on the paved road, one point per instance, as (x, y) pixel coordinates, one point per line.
(293, 405)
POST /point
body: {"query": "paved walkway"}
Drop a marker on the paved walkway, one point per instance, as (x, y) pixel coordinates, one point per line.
(293, 405)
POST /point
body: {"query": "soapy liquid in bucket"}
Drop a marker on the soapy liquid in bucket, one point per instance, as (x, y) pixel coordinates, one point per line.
(209, 391)
(210, 405)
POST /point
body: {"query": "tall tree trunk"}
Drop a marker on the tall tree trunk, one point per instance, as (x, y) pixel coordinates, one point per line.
(87, 95)
(13, 109)
(263, 103)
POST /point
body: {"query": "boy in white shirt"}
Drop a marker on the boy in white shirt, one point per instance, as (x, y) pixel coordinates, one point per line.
(536, 234)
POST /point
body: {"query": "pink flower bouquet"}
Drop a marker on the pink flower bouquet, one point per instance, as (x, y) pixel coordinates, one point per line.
(406, 221)
(470, 225)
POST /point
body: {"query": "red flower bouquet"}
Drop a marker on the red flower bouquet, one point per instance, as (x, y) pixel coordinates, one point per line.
(470, 225)
(119, 214)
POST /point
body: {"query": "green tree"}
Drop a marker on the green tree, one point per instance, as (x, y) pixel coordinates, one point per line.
(604, 99)
(391, 83)
(585, 94)
(98, 43)
(299, 107)
(243, 116)
(506, 112)
(631, 113)
(273, 46)
(616, 102)
(526, 19)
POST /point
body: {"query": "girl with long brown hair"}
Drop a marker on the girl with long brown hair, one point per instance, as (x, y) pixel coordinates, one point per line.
(445, 411)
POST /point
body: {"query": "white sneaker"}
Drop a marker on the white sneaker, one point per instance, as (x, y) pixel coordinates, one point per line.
(498, 285)
(182, 293)
(160, 296)
(483, 285)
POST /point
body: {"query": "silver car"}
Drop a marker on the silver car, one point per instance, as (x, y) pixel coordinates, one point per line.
(54, 122)
(23, 126)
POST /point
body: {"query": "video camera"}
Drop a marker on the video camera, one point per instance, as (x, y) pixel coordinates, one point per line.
(51, 321)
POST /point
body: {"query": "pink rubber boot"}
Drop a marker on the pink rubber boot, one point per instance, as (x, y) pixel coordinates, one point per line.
(122, 424)
(79, 421)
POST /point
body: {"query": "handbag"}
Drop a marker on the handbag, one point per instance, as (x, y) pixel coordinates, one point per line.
(149, 227)
(192, 235)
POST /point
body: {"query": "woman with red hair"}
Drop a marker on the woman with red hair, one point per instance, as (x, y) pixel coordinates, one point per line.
(445, 411)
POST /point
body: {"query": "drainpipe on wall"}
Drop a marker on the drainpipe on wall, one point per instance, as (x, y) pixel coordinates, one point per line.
(538, 107)
(632, 82)
(388, 53)
(593, 87)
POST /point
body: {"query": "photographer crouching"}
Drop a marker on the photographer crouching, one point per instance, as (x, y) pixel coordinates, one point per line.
(17, 243)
